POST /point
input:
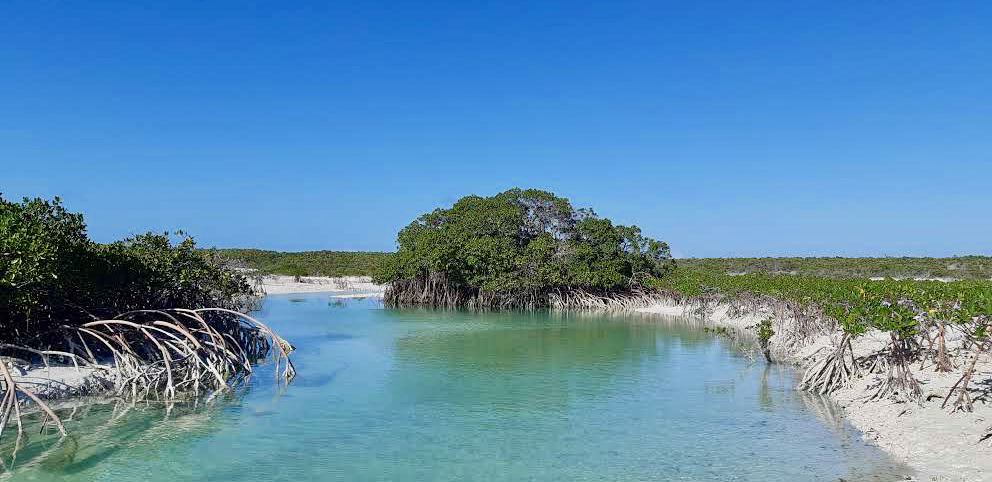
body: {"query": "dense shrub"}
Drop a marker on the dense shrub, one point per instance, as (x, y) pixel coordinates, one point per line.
(51, 274)
(514, 248)
(305, 263)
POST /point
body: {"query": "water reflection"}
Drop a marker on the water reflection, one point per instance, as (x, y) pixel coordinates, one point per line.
(451, 395)
(101, 429)
(559, 366)
(512, 353)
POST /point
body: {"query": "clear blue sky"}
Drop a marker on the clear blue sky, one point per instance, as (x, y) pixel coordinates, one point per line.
(725, 128)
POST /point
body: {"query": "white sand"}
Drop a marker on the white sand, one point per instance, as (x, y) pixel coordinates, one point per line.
(940, 445)
(279, 285)
(918, 278)
(57, 381)
(377, 294)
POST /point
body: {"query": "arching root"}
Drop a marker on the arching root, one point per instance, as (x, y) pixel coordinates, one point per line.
(900, 382)
(964, 402)
(163, 355)
(832, 372)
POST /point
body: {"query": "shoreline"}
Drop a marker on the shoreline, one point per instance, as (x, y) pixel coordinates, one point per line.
(348, 286)
(60, 383)
(935, 443)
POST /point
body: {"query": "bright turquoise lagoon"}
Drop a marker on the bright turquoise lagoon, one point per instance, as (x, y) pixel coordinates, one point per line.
(420, 395)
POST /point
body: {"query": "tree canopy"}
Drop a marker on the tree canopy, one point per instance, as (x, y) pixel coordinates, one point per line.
(513, 249)
(52, 274)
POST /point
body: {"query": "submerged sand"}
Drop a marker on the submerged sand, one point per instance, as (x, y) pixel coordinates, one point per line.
(938, 444)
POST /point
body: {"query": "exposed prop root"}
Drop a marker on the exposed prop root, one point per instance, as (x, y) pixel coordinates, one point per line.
(964, 402)
(832, 372)
(164, 355)
(942, 360)
(615, 302)
(900, 382)
(11, 406)
(874, 363)
(937, 346)
(434, 289)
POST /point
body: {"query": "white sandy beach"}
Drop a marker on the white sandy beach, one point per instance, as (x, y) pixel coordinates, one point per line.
(347, 286)
(57, 381)
(940, 445)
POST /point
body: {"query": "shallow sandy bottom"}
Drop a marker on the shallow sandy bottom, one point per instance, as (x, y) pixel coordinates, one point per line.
(940, 445)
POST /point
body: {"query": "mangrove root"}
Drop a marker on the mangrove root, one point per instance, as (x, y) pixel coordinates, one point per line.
(832, 372)
(165, 355)
(900, 382)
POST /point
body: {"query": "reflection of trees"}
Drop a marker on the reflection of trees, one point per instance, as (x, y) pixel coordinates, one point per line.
(524, 358)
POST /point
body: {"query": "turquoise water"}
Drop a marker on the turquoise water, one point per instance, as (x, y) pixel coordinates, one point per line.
(397, 395)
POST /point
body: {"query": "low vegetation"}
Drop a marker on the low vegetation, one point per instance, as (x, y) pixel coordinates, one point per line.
(916, 316)
(519, 248)
(358, 263)
(960, 267)
(305, 263)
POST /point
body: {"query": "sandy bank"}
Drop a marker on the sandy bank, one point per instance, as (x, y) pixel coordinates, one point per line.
(940, 445)
(363, 285)
(59, 381)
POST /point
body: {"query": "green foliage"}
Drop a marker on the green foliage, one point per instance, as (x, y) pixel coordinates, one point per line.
(765, 334)
(36, 238)
(959, 267)
(765, 331)
(306, 263)
(718, 330)
(858, 304)
(52, 274)
(520, 241)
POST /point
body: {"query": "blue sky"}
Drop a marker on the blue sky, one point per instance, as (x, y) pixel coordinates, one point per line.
(725, 128)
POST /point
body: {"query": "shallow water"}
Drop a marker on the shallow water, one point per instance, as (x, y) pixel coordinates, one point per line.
(432, 395)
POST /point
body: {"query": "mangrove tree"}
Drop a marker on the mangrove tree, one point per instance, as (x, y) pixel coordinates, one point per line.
(517, 249)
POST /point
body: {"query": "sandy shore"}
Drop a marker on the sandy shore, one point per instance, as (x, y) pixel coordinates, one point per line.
(938, 444)
(348, 286)
(58, 381)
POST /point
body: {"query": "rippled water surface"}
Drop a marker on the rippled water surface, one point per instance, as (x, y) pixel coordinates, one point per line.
(399, 395)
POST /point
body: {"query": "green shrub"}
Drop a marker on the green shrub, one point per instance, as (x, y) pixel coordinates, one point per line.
(959, 267)
(305, 263)
(51, 274)
(514, 248)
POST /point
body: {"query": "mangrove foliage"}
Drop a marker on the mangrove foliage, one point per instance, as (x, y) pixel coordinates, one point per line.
(52, 274)
(144, 318)
(917, 317)
(517, 249)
